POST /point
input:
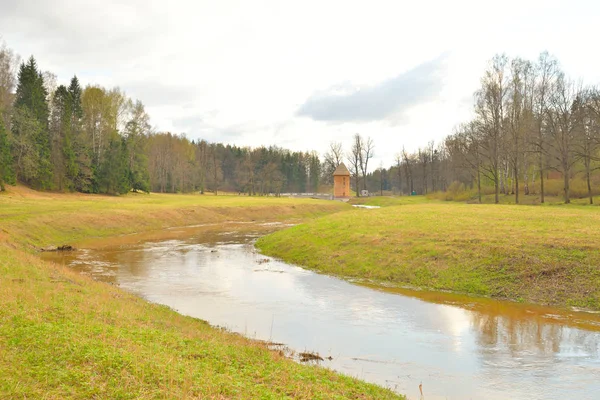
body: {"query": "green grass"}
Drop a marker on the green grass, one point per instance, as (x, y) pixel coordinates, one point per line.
(387, 201)
(36, 219)
(63, 335)
(533, 200)
(545, 255)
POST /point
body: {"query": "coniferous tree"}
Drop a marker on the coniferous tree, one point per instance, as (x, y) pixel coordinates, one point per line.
(7, 174)
(63, 160)
(75, 92)
(315, 172)
(81, 152)
(113, 174)
(32, 126)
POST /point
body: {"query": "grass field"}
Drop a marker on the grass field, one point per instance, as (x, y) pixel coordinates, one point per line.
(37, 219)
(63, 335)
(547, 255)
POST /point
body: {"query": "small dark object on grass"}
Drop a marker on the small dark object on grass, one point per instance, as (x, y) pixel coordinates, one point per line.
(306, 356)
(64, 247)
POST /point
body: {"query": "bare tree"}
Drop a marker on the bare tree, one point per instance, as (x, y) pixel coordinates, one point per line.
(587, 142)
(333, 158)
(565, 105)
(367, 152)
(518, 116)
(423, 157)
(335, 155)
(8, 67)
(491, 116)
(408, 168)
(381, 178)
(464, 149)
(355, 160)
(547, 70)
(399, 171)
(433, 154)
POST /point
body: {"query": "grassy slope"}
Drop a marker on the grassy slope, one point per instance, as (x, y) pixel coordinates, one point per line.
(37, 219)
(65, 336)
(547, 255)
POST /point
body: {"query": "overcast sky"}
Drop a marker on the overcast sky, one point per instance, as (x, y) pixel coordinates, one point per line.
(300, 74)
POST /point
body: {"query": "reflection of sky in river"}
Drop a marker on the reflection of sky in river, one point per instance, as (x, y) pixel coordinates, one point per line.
(396, 341)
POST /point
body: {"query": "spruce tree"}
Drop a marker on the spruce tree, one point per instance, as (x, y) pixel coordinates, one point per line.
(112, 175)
(75, 92)
(7, 174)
(31, 99)
(81, 151)
(63, 156)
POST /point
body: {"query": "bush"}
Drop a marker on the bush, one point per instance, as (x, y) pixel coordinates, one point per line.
(455, 192)
(578, 188)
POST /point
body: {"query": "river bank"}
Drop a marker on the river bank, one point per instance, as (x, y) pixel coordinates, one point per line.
(544, 255)
(456, 347)
(63, 335)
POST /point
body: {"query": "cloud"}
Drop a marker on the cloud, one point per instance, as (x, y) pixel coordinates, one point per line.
(204, 126)
(100, 33)
(342, 103)
(156, 93)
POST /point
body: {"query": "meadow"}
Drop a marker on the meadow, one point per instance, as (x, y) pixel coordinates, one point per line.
(63, 335)
(538, 254)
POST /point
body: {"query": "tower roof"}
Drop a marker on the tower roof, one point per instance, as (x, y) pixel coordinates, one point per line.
(341, 170)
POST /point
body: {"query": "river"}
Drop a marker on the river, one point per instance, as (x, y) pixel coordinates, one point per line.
(457, 347)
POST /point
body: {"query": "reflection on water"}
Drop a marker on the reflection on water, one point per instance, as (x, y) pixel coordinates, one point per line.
(456, 346)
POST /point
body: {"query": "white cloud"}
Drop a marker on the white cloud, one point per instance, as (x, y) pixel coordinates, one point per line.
(238, 71)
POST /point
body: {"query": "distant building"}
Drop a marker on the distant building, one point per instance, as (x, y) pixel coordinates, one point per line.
(341, 182)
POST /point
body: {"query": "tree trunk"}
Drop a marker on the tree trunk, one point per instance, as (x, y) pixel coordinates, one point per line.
(516, 186)
(479, 185)
(567, 188)
(542, 178)
(496, 189)
(589, 185)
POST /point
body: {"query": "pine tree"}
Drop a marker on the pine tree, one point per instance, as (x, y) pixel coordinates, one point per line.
(7, 174)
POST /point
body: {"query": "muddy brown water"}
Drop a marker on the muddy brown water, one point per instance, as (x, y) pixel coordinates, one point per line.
(458, 347)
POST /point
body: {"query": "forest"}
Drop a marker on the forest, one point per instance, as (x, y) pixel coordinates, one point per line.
(98, 140)
(533, 131)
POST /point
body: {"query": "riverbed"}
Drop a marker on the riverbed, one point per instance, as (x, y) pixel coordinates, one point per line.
(456, 347)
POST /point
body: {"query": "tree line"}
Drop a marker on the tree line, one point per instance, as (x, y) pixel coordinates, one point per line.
(530, 118)
(531, 122)
(98, 140)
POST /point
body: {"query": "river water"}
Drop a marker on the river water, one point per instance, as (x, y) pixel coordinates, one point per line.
(457, 347)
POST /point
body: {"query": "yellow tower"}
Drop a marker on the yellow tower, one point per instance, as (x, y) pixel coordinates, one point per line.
(341, 181)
